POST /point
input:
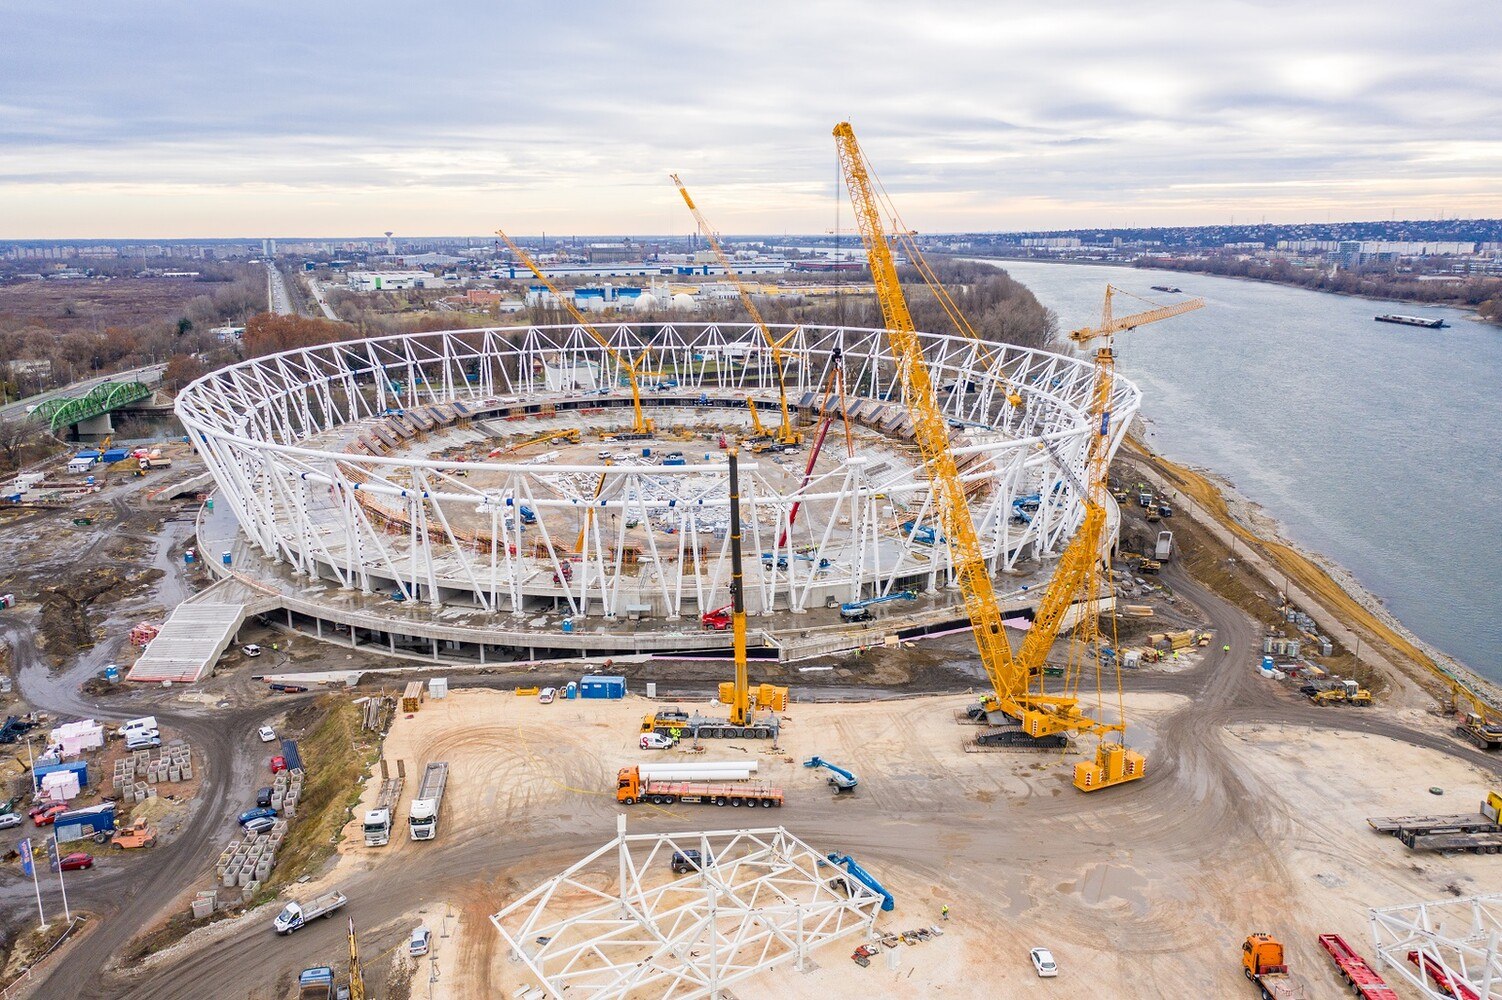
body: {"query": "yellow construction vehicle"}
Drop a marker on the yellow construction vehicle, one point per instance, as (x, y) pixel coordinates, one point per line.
(769, 698)
(641, 426)
(356, 974)
(1346, 691)
(570, 436)
(1017, 681)
(786, 434)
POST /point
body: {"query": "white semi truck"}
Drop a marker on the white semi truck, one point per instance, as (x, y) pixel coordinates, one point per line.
(378, 820)
(423, 817)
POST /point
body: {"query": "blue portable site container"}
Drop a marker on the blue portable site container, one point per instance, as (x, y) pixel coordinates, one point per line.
(568, 625)
(602, 686)
(88, 453)
(81, 823)
(646, 453)
(115, 455)
(78, 767)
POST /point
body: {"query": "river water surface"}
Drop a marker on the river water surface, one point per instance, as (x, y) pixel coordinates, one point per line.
(1379, 446)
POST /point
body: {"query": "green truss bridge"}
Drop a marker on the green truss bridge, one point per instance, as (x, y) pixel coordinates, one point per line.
(65, 411)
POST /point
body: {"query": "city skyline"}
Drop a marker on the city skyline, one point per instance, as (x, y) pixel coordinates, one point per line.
(188, 122)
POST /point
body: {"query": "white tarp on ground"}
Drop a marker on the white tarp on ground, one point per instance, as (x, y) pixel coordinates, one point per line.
(60, 786)
(73, 738)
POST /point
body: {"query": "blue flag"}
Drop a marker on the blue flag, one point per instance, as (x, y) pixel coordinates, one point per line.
(27, 867)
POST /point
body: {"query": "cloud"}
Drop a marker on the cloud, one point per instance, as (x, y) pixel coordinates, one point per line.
(180, 118)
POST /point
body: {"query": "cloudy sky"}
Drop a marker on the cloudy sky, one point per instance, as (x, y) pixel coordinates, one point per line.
(194, 119)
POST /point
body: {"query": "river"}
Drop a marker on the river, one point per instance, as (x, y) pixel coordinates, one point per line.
(1372, 444)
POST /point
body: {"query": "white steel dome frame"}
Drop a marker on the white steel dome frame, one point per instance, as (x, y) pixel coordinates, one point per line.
(309, 449)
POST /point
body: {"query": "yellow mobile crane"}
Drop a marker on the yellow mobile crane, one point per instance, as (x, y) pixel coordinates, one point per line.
(743, 721)
(641, 425)
(1017, 685)
(786, 434)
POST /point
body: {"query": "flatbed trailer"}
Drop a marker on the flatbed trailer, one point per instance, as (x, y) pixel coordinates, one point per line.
(1443, 981)
(1476, 833)
(1362, 978)
(631, 789)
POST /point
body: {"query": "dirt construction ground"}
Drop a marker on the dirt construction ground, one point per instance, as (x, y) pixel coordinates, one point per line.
(1133, 888)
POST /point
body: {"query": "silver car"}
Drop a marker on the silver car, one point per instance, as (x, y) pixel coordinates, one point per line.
(9, 820)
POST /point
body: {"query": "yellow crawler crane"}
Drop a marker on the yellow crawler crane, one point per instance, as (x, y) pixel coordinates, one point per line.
(786, 433)
(640, 425)
(1017, 682)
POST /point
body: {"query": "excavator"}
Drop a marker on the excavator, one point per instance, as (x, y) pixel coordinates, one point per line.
(786, 435)
(743, 720)
(1017, 680)
(641, 426)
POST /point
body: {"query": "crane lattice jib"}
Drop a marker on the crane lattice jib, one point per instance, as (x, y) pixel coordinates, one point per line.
(101, 399)
(1008, 678)
(786, 435)
(642, 424)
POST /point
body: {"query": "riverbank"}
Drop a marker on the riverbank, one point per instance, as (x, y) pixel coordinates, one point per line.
(1325, 590)
(1475, 311)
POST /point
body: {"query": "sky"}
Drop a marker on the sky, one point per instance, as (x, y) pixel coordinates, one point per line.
(168, 119)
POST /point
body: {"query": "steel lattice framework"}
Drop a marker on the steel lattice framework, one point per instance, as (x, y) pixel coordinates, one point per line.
(1452, 942)
(313, 451)
(763, 899)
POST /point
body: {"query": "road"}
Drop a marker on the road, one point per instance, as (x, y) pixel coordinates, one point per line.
(276, 291)
(150, 374)
(317, 289)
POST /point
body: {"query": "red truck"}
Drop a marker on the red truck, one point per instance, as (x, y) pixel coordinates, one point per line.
(1443, 981)
(1363, 979)
(630, 788)
(718, 619)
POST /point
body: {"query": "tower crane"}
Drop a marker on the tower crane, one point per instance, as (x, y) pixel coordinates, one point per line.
(786, 434)
(1017, 688)
(640, 424)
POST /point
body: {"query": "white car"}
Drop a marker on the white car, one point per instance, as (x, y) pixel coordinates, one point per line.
(267, 734)
(656, 741)
(9, 820)
(251, 650)
(1044, 963)
(546, 695)
(420, 941)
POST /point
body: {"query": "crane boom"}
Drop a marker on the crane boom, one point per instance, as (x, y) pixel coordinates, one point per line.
(930, 429)
(1109, 324)
(785, 433)
(641, 425)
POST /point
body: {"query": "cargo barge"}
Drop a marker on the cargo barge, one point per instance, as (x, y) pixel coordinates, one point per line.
(1424, 321)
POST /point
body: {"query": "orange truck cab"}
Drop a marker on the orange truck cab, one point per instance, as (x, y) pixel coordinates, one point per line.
(1262, 955)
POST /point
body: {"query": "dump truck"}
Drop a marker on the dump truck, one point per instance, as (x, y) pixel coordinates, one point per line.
(295, 914)
(139, 834)
(422, 820)
(1163, 551)
(378, 820)
(631, 788)
(318, 983)
(1262, 962)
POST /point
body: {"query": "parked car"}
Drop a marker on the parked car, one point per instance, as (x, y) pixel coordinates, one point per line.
(9, 820)
(656, 741)
(267, 734)
(689, 861)
(546, 695)
(260, 825)
(77, 861)
(260, 812)
(1044, 963)
(46, 815)
(420, 941)
(143, 742)
(263, 796)
(251, 650)
(278, 764)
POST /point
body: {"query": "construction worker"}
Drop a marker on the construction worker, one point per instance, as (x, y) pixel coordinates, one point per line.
(944, 911)
(1226, 648)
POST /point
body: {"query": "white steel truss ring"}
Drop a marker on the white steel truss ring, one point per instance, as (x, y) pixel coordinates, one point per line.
(295, 443)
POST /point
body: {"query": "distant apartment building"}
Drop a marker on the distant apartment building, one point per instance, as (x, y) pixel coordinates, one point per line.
(1051, 242)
